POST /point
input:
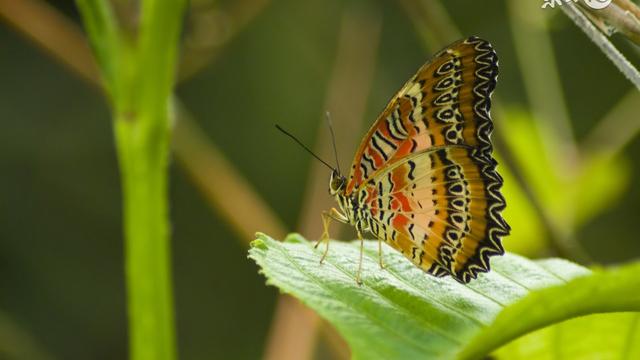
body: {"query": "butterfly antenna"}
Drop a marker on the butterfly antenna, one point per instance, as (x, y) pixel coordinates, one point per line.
(333, 141)
(303, 146)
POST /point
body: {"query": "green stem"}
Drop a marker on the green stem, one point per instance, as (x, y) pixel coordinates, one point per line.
(138, 75)
(598, 38)
(148, 265)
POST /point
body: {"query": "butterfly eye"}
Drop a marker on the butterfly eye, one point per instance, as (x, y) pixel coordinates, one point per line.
(337, 182)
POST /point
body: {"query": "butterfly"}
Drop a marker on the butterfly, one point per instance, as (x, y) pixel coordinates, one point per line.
(423, 179)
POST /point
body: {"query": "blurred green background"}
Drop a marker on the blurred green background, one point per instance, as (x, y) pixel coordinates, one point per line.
(61, 266)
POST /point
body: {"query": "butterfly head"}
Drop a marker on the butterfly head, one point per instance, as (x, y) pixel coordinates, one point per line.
(337, 182)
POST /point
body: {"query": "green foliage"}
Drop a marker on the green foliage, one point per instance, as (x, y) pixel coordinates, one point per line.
(537, 152)
(528, 236)
(615, 290)
(401, 312)
(538, 160)
(601, 336)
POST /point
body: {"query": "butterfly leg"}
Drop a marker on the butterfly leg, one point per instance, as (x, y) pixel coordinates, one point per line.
(327, 216)
(380, 253)
(358, 277)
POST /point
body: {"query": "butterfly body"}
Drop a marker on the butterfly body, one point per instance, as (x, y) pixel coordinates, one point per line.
(423, 179)
(354, 212)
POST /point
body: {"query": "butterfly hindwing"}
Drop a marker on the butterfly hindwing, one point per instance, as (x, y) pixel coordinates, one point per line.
(435, 207)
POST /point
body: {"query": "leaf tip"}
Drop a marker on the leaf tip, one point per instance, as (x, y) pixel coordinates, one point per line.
(259, 244)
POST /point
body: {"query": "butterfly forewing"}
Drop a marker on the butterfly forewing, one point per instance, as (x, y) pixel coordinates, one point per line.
(445, 103)
(425, 167)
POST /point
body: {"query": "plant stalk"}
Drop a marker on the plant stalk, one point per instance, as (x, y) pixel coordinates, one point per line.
(138, 75)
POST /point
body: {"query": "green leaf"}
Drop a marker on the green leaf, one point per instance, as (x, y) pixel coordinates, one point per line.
(401, 312)
(104, 35)
(616, 290)
(600, 336)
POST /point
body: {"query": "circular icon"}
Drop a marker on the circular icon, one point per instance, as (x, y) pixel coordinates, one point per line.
(597, 4)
